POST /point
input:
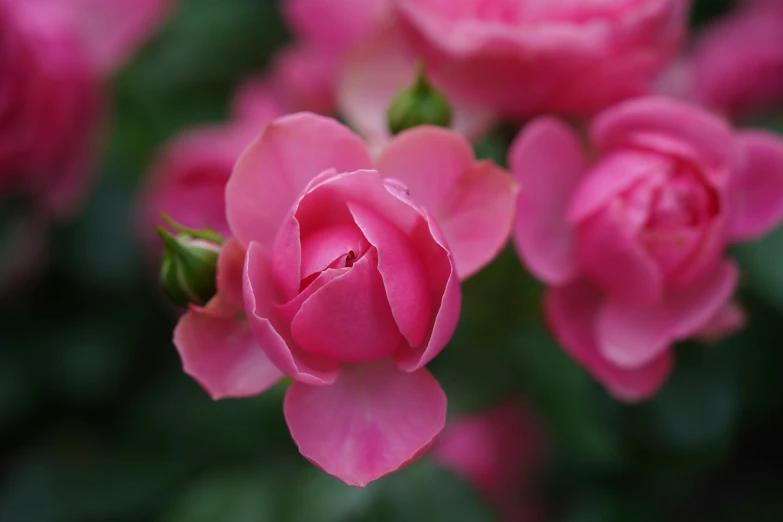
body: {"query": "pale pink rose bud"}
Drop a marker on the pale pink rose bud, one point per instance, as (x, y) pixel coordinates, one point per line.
(632, 236)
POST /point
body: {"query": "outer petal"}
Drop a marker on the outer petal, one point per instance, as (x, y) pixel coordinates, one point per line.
(218, 350)
(571, 312)
(372, 421)
(271, 331)
(708, 134)
(277, 167)
(632, 336)
(548, 160)
(473, 203)
(759, 185)
(231, 265)
(349, 318)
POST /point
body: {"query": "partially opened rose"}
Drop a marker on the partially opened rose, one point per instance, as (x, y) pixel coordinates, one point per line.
(632, 238)
(350, 284)
(523, 58)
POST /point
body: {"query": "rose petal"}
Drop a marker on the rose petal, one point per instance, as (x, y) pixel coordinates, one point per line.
(372, 421)
(277, 167)
(548, 160)
(219, 351)
(231, 265)
(349, 318)
(759, 189)
(402, 272)
(571, 312)
(631, 336)
(473, 203)
(614, 258)
(270, 331)
(711, 137)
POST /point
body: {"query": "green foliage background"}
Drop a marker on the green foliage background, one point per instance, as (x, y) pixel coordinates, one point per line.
(99, 424)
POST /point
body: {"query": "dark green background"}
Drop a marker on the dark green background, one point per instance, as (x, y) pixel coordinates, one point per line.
(99, 424)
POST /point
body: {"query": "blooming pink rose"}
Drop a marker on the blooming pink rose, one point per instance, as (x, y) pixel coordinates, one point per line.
(112, 29)
(188, 180)
(350, 22)
(48, 106)
(736, 65)
(633, 241)
(374, 73)
(527, 57)
(501, 452)
(351, 283)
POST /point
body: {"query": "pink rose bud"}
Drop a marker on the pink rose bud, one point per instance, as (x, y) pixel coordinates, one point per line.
(350, 284)
(527, 57)
(737, 63)
(188, 267)
(632, 238)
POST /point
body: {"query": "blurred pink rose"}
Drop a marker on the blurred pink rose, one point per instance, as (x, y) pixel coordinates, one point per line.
(188, 180)
(737, 63)
(112, 29)
(501, 452)
(351, 283)
(350, 22)
(633, 241)
(527, 57)
(49, 105)
(305, 77)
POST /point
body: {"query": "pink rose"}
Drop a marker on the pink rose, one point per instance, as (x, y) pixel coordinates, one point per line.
(631, 232)
(527, 57)
(48, 106)
(350, 284)
(501, 452)
(737, 64)
(350, 21)
(189, 178)
(112, 29)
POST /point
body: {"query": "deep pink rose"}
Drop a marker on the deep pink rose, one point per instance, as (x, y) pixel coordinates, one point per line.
(111, 30)
(189, 178)
(736, 65)
(351, 284)
(350, 22)
(527, 57)
(631, 232)
(48, 106)
(501, 452)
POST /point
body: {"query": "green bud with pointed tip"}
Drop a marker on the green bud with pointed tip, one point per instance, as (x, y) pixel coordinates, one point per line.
(420, 104)
(188, 270)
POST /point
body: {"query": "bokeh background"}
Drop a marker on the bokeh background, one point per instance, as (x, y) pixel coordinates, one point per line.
(99, 424)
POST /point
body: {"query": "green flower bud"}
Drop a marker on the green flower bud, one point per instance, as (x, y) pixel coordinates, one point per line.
(420, 104)
(188, 269)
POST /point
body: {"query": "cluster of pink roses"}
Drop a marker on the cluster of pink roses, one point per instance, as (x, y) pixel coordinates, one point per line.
(54, 56)
(346, 250)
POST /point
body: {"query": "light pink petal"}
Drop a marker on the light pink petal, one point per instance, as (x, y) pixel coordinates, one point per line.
(548, 161)
(323, 247)
(277, 167)
(113, 29)
(709, 135)
(231, 265)
(759, 186)
(218, 349)
(472, 202)
(444, 283)
(372, 421)
(269, 329)
(571, 312)
(631, 336)
(402, 271)
(349, 318)
(616, 260)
